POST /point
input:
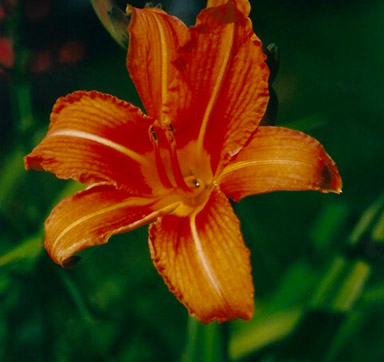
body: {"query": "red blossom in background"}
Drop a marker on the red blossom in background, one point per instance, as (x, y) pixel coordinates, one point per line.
(7, 54)
(71, 52)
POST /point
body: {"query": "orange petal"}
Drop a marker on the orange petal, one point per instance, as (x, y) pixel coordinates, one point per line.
(154, 40)
(90, 217)
(204, 262)
(94, 137)
(278, 159)
(223, 67)
(242, 5)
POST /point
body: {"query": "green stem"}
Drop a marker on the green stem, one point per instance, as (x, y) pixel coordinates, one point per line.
(22, 105)
(90, 323)
(206, 343)
(20, 87)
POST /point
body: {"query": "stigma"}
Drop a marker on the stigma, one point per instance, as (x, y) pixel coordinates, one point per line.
(195, 184)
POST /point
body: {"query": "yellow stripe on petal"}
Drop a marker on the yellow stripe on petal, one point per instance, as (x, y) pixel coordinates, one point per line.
(101, 140)
(204, 262)
(243, 164)
(134, 201)
(218, 82)
(223, 67)
(155, 38)
(95, 137)
(164, 62)
(279, 159)
(91, 216)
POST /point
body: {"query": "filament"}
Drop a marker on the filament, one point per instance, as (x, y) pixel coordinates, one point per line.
(164, 179)
(180, 182)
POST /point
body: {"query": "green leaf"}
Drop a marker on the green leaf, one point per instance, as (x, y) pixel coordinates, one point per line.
(378, 230)
(32, 247)
(326, 227)
(266, 329)
(12, 173)
(338, 291)
(308, 123)
(366, 221)
(28, 249)
(278, 316)
(312, 337)
(351, 286)
(341, 285)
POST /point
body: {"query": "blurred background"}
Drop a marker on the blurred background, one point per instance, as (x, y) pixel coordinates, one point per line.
(317, 259)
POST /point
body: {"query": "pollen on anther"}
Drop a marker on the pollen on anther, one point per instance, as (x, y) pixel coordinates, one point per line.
(153, 133)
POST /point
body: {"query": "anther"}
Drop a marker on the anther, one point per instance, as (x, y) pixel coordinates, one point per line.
(153, 133)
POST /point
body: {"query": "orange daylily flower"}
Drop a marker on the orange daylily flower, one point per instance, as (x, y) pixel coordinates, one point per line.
(205, 90)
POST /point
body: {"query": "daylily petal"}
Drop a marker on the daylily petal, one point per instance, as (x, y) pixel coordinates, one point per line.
(90, 217)
(155, 38)
(242, 5)
(223, 67)
(94, 137)
(203, 260)
(279, 159)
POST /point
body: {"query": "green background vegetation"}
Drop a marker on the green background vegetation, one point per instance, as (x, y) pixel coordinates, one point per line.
(317, 259)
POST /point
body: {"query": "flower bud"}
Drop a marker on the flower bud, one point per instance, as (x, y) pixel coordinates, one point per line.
(113, 19)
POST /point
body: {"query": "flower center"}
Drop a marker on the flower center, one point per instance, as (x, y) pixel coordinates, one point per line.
(185, 172)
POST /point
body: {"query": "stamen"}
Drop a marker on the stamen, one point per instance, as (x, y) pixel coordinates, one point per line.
(168, 131)
(153, 134)
(159, 162)
(175, 160)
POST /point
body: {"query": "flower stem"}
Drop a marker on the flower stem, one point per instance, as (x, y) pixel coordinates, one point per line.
(206, 343)
(20, 85)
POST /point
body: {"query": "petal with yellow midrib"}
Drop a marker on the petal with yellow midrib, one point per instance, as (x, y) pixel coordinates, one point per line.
(280, 159)
(203, 260)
